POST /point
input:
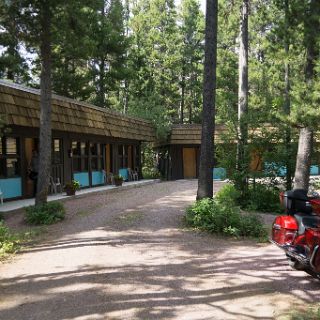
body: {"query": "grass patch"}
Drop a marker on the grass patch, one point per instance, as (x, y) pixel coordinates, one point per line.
(309, 313)
(45, 214)
(11, 242)
(129, 218)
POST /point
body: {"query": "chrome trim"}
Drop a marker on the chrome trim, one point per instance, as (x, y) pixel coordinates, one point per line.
(282, 246)
(313, 256)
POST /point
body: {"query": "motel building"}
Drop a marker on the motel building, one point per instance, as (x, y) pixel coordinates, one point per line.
(87, 142)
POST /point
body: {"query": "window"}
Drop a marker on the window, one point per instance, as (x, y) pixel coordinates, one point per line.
(9, 157)
(97, 156)
(80, 156)
(125, 157)
(57, 151)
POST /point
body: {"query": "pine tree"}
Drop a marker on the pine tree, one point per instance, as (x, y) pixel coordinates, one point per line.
(311, 41)
(205, 187)
(108, 60)
(13, 64)
(191, 30)
(154, 90)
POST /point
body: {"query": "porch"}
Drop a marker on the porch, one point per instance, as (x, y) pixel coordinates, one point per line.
(19, 204)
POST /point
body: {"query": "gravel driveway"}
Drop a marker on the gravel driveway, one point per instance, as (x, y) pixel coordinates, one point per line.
(127, 255)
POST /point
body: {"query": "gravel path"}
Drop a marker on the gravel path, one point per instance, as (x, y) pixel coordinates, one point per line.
(127, 255)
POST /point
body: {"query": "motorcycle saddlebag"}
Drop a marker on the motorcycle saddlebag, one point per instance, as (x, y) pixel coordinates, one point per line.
(295, 201)
(284, 230)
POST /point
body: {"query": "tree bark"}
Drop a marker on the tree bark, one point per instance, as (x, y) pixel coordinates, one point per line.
(303, 159)
(287, 102)
(45, 105)
(311, 24)
(243, 89)
(183, 86)
(205, 183)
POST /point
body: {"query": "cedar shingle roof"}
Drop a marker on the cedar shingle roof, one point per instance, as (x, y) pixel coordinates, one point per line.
(21, 105)
(191, 134)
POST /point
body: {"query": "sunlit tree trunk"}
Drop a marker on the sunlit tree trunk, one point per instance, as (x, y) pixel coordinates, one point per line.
(243, 97)
(302, 173)
(45, 105)
(205, 183)
(287, 102)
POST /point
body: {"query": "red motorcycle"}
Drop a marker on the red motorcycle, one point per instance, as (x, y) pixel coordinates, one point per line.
(298, 231)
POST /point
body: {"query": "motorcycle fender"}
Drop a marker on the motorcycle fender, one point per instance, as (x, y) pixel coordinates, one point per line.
(284, 230)
(286, 222)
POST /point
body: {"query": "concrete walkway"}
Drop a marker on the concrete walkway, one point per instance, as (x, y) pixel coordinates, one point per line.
(19, 204)
(127, 255)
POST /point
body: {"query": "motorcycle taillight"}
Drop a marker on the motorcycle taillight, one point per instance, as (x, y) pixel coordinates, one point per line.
(312, 237)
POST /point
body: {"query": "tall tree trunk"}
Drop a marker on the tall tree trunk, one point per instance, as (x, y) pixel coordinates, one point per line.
(45, 104)
(183, 86)
(126, 81)
(302, 173)
(101, 92)
(205, 183)
(303, 159)
(242, 165)
(287, 103)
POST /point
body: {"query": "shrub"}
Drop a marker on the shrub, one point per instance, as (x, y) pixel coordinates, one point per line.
(8, 242)
(45, 214)
(220, 217)
(262, 198)
(150, 173)
(73, 185)
(228, 194)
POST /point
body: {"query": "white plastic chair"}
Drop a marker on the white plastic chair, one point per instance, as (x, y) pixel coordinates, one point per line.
(54, 186)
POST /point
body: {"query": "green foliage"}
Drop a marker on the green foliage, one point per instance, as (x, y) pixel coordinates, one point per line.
(8, 241)
(310, 313)
(48, 213)
(221, 216)
(118, 177)
(73, 185)
(262, 198)
(228, 194)
(150, 173)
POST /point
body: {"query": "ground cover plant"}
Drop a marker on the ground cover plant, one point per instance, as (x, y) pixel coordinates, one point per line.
(47, 213)
(262, 198)
(310, 313)
(8, 241)
(221, 215)
(11, 242)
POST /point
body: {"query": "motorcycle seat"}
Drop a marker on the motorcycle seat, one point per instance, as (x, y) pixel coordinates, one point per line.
(306, 221)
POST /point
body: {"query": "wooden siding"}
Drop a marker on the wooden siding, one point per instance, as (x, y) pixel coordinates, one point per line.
(21, 107)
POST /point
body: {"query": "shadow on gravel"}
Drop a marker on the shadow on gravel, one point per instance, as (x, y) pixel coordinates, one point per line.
(196, 269)
(173, 286)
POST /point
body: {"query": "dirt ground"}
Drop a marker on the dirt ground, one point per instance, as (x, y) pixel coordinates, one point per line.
(128, 255)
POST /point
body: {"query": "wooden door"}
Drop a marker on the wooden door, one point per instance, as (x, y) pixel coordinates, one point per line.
(30, 144)
(189, 163)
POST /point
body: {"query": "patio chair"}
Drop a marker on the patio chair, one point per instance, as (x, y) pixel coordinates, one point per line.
(1, 197)
(104, 177)
(133, 175)
(55, 186)
(110, 178)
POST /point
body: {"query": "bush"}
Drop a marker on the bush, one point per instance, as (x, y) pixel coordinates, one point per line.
(262, 198)
(228, 194)
(224, 218)
(8, 242)
(150, 173)
(45, 214)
